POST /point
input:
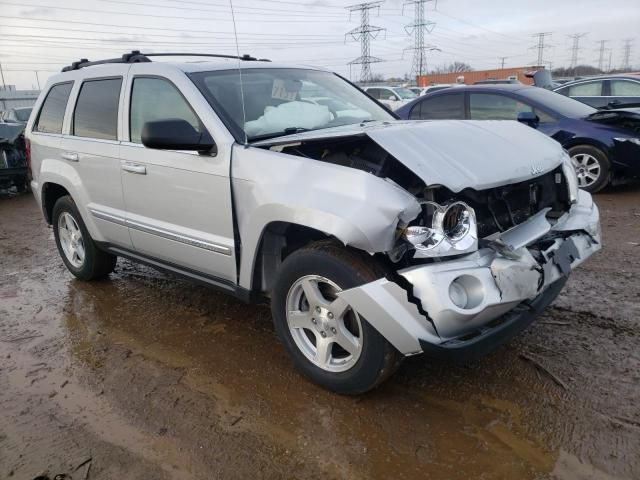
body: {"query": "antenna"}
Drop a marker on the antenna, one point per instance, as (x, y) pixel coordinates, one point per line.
(244, 113)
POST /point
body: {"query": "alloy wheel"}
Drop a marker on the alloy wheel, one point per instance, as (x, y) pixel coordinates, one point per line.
(324, 327)
(587, 169)
(71, 239)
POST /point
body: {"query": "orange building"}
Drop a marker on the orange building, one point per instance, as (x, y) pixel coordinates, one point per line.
(469, 78)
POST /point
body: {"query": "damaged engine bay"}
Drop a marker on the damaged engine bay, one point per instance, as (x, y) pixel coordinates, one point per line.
(481, 214)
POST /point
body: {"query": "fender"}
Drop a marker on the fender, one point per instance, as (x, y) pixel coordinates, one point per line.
(63, 174)
(357, 208)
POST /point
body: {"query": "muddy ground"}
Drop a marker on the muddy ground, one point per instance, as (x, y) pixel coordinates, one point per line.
(145, 376)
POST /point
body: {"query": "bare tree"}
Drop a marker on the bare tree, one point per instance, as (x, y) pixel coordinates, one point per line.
(455, 67)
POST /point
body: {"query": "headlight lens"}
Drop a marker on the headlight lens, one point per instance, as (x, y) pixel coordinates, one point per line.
(456, 221)
(447, 230)
(569, 172)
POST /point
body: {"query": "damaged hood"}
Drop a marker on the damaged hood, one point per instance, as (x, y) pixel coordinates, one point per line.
(457, 154)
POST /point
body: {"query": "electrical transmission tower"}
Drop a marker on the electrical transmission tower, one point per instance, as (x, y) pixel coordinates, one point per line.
(601, 52)
(418, 28)
(364, 33)
(540, 46)
(626, 53)
(575, 48)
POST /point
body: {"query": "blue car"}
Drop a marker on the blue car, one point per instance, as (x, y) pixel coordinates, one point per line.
(604, 145)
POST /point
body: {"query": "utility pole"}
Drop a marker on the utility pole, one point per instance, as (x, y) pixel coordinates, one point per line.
(418, 28)
(4, 85)
(610, 57)
(540, 46)
(37, 79)
(502, 59)
(575, 48)
(601, 53)
(364, 33)
(626, 53)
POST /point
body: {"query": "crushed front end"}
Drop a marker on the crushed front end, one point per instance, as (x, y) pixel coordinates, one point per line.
(477, 267)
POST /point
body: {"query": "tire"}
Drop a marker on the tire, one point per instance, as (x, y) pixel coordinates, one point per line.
(330, 267)
(586, 157)
(93, 263)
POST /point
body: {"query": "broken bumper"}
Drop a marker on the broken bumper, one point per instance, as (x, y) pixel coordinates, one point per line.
(467, 306)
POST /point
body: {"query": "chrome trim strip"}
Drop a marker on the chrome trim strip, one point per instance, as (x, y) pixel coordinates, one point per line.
(108, 217)
(161, 232)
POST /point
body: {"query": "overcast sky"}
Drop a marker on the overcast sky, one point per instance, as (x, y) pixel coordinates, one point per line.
(44, 35)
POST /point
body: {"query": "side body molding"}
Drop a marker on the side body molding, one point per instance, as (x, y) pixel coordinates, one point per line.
(356, 207)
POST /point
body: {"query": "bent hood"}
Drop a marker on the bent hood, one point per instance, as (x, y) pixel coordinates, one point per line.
(457, 154)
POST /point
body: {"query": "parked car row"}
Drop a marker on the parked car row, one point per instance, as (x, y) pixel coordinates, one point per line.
(604, 145)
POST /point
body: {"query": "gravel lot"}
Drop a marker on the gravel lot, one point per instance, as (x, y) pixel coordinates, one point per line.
(145, 376)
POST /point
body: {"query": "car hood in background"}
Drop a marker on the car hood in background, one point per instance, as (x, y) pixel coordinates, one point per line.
(457, 154)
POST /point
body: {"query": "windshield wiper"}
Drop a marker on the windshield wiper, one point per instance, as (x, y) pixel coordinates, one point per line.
(286, 131)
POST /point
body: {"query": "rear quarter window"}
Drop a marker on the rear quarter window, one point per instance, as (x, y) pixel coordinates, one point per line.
(96, 112)
(51, 114)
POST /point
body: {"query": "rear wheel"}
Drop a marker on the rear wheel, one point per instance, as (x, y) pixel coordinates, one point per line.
(77, 249)
(328, 341)
(592, 167)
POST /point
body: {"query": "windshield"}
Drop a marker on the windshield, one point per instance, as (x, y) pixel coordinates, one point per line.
(405, 93)
(22, 114)
(281, 101)
(565, 106)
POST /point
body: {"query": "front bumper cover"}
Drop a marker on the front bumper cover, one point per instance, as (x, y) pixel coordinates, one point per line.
(415, 312)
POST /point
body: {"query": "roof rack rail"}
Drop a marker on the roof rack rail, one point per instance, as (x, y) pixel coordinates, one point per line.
(136, 57)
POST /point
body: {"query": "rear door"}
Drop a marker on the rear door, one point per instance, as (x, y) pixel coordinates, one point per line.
(178, 202)
(92, 148)
(590, 92)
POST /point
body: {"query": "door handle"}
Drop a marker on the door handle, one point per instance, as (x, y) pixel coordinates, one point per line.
(135, 168)
(70, 156)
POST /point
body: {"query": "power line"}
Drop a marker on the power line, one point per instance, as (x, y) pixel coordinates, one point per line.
(575, 48)
(418, 28)
(364, 33)
(540, 46)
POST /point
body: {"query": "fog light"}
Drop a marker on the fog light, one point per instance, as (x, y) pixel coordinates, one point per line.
(466, 292)
(458, 295)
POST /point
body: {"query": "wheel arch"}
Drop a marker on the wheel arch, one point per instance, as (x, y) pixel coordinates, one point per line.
(51, 192)
(278, 240)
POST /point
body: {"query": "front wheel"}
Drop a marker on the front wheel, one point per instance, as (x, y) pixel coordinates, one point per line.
(328, 341)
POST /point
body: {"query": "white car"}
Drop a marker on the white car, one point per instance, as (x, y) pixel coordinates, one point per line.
(392, 97)
(370, 237)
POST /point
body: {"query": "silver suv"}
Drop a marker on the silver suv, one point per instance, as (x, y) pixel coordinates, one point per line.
(371, 238)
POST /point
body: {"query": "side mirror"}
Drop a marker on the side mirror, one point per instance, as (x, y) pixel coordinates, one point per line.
(175, 134)
(529, 118)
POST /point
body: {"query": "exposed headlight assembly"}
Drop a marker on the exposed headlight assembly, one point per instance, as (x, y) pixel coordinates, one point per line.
(447, 230)
(571, 177)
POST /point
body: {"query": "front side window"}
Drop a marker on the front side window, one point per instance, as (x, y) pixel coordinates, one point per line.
(489, 106)
(96, 113)
(441, 107)
(52, 111)
(386, 94)
(625, 88)
(374, 92)
(587, 89)
(154, 99)
(281, 101)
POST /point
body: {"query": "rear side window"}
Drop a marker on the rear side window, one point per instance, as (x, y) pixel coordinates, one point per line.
(157, 99)
(96, 113)
(52, 111)
(442, 107)
(625, 88)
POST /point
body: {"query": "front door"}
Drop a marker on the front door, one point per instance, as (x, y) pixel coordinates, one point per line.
(178, 203)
